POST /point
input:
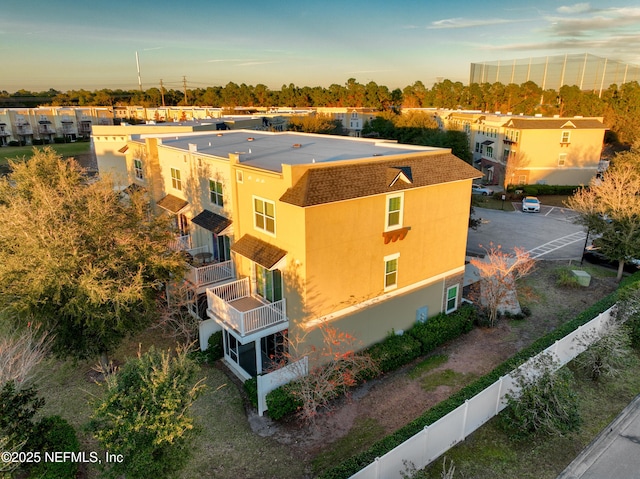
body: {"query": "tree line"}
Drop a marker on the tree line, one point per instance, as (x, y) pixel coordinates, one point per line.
(618, 104)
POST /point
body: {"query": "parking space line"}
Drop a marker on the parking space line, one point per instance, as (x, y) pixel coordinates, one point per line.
(556, 244)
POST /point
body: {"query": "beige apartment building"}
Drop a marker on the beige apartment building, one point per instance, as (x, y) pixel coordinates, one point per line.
(287, 233)
(521, 150)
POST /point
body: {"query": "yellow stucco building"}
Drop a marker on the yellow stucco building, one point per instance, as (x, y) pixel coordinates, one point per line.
(304, 231)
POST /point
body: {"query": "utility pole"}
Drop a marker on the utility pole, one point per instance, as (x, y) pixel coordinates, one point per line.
(162, 91)
(184, 82)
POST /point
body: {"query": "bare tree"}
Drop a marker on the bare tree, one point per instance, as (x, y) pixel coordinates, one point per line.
(610, 208)
(20, 352)
(499, 272)
(178, 314)
(334, 368)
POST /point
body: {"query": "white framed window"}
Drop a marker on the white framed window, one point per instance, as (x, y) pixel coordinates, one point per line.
(137, 168)
(264, 215)
(566, 137)
(562, 159)
(176, 180)
(452, 298)
(391, 271)
(215, 193)
(268, 283)
(394, 214)
(490, 151)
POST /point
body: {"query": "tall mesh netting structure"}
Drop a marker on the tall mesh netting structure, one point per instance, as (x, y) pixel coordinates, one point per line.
(586, 71)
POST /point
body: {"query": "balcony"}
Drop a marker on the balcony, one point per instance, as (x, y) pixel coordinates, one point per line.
(180, 243)
(200, 275)
(234, 305)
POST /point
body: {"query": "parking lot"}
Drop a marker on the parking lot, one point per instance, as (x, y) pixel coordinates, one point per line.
(549, 234)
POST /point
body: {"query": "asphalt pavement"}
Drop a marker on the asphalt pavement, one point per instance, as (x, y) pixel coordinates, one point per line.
(615, 453)
(552, 235)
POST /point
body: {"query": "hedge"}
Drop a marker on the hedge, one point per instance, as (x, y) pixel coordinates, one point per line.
(363, 459)
(391, 353)
(533, 190)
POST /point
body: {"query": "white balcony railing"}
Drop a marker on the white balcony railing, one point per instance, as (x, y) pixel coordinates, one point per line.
(181, 243)
(210, 273)
(233, 304)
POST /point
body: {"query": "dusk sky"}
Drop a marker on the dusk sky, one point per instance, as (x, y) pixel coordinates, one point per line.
(69, 44)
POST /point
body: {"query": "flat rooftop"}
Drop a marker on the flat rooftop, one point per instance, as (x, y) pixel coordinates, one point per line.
(269, 150)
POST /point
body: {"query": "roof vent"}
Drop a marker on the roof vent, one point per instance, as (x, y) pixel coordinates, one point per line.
(219, 134)
(297, 145)
(250, 138)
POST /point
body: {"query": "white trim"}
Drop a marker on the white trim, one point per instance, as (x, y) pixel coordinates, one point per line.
(386, 259)
(253, 210)
(446, 298)
(327, 318)
(387, 199)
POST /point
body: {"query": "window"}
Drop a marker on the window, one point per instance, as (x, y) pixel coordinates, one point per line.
(490, 151)
(269, 283)
(176, 182)
(562, 159)
(566, 137)
(394, 212)
(452, 299)
(264, 213)
(221, 248)
(391, 271)
(477, 147)
(215, 193)
(137, 167)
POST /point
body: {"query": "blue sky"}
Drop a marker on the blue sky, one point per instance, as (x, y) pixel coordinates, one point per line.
(69, 44)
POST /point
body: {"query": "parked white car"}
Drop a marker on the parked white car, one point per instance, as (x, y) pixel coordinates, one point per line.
(481, 190)
(531, 204)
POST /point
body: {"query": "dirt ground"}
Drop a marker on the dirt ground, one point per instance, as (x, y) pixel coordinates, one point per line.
(395, 399)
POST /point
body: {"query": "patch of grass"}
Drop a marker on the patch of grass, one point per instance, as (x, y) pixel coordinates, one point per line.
(565, 278)
(528, 295)
(490, 454)
(447, 377)
(362, 435)
(63, 149)
(427, 365)
(492, 203)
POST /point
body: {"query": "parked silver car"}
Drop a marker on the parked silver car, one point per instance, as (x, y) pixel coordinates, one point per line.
(531, 204)
(481, 190)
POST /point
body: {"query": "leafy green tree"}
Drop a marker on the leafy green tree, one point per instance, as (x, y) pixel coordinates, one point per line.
(315, 124)
(78, 257)
(144, 415)
(546, 403)
(610, 209)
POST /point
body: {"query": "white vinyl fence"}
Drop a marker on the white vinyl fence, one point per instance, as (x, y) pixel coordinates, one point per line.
(436, 439)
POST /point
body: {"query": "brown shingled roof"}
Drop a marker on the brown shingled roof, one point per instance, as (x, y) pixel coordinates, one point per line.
(172, 203)
(211, 221)
(343, 182)
(258, 251)
(554, 123)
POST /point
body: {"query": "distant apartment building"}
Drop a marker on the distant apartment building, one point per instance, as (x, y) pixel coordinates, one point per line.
(587, 72)
(289, 232)
(519, 150)
(352, 119)
(44, 125)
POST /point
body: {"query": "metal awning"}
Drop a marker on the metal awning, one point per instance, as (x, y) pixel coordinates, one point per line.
(211, 222)
(172, 203)
(259, 251)
(487, 142)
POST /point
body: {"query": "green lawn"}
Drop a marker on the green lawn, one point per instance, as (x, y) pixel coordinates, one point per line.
(63, 149)
(489, 453)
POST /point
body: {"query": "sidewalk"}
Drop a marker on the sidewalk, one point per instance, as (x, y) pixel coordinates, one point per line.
(614, 453)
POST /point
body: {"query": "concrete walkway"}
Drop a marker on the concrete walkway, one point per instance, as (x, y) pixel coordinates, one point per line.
(614, 453)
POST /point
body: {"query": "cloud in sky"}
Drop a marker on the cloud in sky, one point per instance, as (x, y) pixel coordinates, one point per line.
(468, 22)
(575, 8)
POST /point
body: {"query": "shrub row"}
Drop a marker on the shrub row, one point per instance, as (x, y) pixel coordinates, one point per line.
(391, 353)
(359, 461)
(533, 190)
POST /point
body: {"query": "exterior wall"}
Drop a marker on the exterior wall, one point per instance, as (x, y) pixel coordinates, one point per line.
(370, 325)
(195, 171)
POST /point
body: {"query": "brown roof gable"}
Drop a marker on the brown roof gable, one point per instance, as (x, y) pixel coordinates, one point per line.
(172, 203)
(343, 182)
(554, 123)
